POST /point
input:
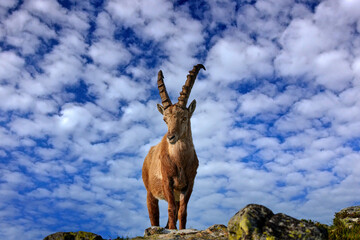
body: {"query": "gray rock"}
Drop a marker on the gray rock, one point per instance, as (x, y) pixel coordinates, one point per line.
(73, 236)
(256, 222)
(349, 216)
(249, 222)
(346, 224)
(281, 226)
(217, 231)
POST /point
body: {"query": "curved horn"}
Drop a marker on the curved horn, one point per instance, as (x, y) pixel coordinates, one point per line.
(186, 89)
(166, 102)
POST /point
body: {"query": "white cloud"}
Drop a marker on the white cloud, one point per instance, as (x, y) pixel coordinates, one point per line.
(181, 36)
(105, 26)
(144, 16)
(232, 60)
(316, 107)
(10, 99)
(24, 31)
(8, 3)
(255, 103)
(63, 66)
(111, 89)
(333, 70)
(52, 12)
(319, 46)
(301, 42)
(109, 54)
(10, 65)
(25, 127)
(43, 7)
(74, 118)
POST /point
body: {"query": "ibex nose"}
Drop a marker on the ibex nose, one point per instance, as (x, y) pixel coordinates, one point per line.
(170, 136)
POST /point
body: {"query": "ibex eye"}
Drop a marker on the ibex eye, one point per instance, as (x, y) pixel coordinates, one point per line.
(184, 119)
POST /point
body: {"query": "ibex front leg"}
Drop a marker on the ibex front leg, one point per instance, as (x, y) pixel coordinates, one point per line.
(177, 210)
(170, 198)
(184, 199)
(153, 208)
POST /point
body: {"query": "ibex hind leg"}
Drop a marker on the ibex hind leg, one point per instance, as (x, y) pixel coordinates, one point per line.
(153, 208)
(177, 209)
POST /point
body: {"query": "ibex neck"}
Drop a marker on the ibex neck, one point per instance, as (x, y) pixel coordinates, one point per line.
(181, 150)
(182, 147)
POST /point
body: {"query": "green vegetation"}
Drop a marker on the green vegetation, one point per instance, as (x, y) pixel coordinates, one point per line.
(342, 230)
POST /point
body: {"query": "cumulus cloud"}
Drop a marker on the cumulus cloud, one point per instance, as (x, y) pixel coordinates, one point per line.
(109, 54)
(150, 18)
(233, 60)
(11, 65)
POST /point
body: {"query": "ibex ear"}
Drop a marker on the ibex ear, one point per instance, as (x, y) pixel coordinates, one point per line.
(160, 109)
(192, 107)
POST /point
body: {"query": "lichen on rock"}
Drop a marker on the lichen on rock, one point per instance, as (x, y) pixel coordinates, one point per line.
(217, 231)
(256, 222)
(282, 226)
(249, 222)
(73, 236)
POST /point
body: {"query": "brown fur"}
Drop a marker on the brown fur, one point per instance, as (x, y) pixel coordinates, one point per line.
(170, 167)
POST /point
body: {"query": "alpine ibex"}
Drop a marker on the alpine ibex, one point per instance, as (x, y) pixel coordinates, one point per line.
(170, 167)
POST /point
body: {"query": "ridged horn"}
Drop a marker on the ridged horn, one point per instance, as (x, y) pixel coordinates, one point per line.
(186, 89)
(166, 102)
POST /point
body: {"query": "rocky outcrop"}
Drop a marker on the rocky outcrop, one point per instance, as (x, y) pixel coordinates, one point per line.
(256, 222)
(249, 222)
(217, 231)
(346, 224)
(349, 216)
(73, 236)
(282, 226)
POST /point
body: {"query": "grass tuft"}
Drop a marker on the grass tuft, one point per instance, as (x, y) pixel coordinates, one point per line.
(339, 230)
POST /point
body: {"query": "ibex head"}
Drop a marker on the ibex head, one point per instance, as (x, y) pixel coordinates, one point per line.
(177, 116)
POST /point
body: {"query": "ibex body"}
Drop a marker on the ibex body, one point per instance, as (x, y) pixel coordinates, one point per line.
(170, 167)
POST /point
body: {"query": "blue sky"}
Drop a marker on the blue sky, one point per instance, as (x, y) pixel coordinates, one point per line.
(277, 119)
